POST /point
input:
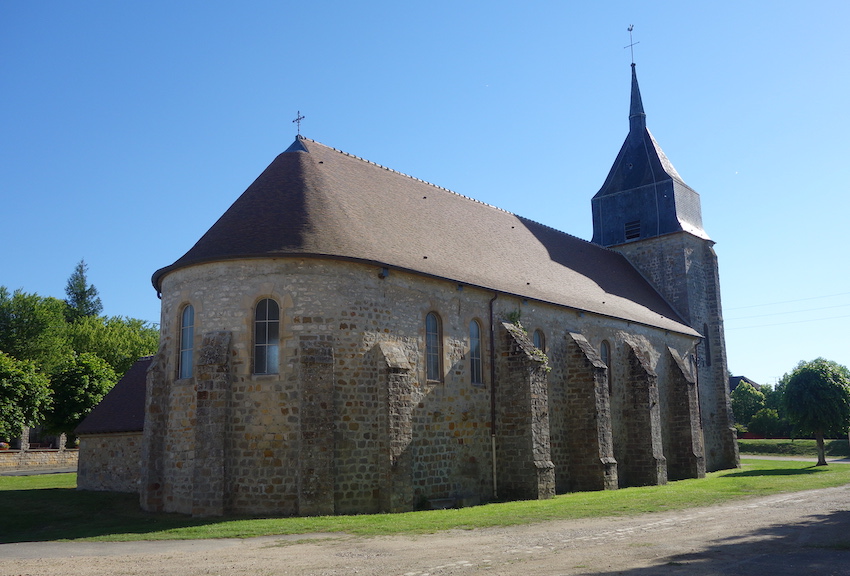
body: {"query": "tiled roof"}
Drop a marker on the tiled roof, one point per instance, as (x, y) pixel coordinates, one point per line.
(314, 200)
(123, 408)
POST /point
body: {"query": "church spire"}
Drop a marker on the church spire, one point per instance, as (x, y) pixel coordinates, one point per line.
(637, 117)
(643, 195)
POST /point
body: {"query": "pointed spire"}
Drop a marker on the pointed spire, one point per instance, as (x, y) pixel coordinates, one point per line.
(637, 117)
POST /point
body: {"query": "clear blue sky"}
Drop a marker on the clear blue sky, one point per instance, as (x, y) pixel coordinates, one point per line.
(128, 128)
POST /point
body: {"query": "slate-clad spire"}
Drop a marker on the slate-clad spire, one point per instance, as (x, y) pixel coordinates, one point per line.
(637, 117)
(643, 195)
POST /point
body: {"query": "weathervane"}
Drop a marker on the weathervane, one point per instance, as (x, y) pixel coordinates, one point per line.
(631, 45)
(297, 121)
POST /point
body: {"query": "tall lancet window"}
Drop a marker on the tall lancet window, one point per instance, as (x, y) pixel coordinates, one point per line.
(539, 340)
(433, 348)
(475, 353)
(266, 337)
(187, 341)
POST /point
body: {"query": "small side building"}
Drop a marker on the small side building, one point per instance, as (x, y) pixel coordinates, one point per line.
(111, 436)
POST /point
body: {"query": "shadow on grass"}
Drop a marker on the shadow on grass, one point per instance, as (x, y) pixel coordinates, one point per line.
(776, 472)
(67, 514)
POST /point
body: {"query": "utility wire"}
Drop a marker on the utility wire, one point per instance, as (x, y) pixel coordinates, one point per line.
(785, 323)
(789, 312)
(788, 301)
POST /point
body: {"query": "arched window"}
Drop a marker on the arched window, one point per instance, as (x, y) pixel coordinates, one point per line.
(475, 353)
(605, 353)
(539, 340)
(266, 337)
(187, 341)
(433, 348)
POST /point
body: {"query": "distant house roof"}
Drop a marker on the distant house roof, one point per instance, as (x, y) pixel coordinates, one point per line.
(316, 201)
(123, 408)
(735, 380)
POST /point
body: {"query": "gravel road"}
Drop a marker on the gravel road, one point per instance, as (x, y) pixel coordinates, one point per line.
(800, 533)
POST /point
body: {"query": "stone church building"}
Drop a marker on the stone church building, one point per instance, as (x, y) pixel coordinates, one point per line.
(349, 339)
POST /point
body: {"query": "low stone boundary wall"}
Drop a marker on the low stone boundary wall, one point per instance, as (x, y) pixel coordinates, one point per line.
(37, 459)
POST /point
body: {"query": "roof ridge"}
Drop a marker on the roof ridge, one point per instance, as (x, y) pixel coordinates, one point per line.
(388, 169)
(445, 189)
(557, 230)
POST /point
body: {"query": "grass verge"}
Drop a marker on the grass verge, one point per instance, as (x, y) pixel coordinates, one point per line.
(801, 447)
(45, 508)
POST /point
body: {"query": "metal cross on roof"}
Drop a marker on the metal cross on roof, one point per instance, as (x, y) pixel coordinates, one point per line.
(297, 121)
(632, 44)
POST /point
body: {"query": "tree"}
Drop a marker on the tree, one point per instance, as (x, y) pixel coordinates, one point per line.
(24, 395)
(80, 383)
(746, 401)
(119, 341)
(33, 327)
(817, 398)
(767, 423)
(774, 400)
(38, 335)
(82, 297)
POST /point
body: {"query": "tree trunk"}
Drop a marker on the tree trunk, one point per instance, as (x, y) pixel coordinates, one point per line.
(821, 455)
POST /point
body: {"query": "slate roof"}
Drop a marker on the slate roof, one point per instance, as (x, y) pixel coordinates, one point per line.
(123, 408)
(734, 381)
(642, 164)
(314, 200)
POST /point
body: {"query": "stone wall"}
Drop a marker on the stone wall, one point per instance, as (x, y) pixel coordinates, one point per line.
(682, 432)
(350, 423)
(586, 414)
(212, 402)
(640, 459)
(684, 269)
(524, 464)
(110, 462)
(41, 459)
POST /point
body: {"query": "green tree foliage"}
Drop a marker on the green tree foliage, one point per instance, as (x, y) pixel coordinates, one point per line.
(767, 423)
(817, 398)
(78, 385)
(24, 395)
(33, 328)
(746, 401)
(82, 299)
(119, 341)
(774, 399)
(68, 344)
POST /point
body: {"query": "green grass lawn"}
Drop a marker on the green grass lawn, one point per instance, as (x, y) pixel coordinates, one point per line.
(45, 508)
(802, 447)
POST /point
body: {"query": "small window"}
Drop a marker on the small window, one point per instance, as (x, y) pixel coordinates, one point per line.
(632, 229)
(266, 337)
(433, 348)
(187, 341)
(475, 352)
(539, 340)
(605, 354)
(707, 341)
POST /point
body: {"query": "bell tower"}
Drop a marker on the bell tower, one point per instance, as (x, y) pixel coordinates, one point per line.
(645, 211)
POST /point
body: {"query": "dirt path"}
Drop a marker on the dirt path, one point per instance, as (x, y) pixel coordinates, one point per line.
(800, 533)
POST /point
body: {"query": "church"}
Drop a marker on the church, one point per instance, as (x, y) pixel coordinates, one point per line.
(349, 339)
